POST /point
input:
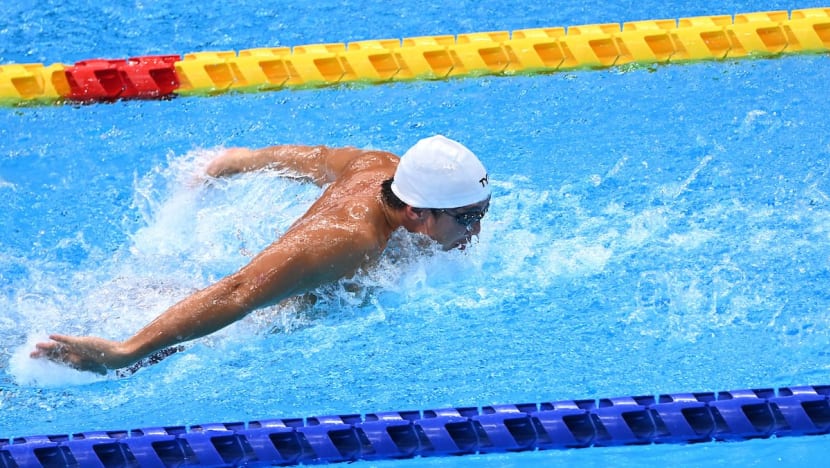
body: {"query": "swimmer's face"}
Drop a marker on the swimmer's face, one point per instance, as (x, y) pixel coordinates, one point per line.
(453, 228)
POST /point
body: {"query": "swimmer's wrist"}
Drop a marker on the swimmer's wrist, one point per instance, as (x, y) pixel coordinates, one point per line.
(125, 353)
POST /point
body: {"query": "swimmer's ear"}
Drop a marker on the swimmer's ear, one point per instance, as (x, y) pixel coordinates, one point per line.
(414, 214)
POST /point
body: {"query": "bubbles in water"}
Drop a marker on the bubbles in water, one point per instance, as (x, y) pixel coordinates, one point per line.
(759, 121)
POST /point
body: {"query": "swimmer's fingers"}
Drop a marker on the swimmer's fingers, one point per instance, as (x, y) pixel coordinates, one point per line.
(64, 353)
(207, 177)
(200, 180)
(230, 162)
(48, 350)
(219, 165)
(80, 353)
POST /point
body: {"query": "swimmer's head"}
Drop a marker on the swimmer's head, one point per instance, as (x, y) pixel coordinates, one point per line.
(445, 187)
(440, 173)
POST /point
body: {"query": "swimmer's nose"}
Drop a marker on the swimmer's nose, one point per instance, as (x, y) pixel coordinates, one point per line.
(475, 228)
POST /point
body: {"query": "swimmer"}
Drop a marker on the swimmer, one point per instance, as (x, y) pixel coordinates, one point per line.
(438, 188)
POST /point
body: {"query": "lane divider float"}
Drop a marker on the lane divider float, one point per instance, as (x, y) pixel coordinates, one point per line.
(539, 50)
(670, 418)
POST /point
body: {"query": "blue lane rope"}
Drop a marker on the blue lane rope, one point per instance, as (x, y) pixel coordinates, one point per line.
(670, 418)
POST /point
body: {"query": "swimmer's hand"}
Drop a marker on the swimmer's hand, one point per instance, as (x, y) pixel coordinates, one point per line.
(86, 353)
(231, 161)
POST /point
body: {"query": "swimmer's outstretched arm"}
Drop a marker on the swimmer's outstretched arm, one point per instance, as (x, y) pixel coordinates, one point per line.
(320, 164)
(284, 269)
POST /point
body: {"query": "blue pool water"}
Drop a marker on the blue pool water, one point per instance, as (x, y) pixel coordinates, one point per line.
(653, 229)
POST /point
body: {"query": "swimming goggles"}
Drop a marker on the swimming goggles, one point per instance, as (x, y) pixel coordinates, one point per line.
(467, 218)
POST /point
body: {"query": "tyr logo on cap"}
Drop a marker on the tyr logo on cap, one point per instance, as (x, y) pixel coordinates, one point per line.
(484, 180)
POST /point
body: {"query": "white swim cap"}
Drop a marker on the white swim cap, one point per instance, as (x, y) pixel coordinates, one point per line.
(440, 173)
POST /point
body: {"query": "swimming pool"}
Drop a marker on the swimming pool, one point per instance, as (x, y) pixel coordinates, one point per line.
(668, 224)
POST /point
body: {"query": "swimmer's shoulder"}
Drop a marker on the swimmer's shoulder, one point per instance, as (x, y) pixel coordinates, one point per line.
(359, 160)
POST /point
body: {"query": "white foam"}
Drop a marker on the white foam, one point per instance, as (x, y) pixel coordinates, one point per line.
(691, 240)
(645, 225)
(5, 184)
(573, 257)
